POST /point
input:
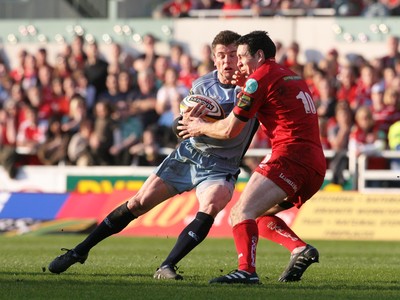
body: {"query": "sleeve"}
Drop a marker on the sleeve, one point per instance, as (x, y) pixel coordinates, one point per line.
(249, 100)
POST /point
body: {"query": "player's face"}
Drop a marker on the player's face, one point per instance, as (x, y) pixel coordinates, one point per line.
(225, 60)
(247, 64)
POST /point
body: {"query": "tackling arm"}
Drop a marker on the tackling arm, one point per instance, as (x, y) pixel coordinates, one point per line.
(226, 128)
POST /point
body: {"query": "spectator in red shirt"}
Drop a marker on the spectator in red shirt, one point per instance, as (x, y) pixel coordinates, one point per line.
(45, 77)
(62, 68)
(291, 58)
(35, 98)
(231, 4)
(60, 101)
(382, 113)
(368, 76)
(188, 72)
(78, 55)
(31, 134)
(42, 58)
(309, 71)
(17, 73)
(176, 8)
(365, 138)
(347, 90)
(18, 96)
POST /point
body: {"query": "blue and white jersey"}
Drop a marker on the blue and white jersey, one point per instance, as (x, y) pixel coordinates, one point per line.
(231, 149)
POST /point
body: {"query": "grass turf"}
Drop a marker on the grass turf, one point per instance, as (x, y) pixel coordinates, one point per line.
(122, 268)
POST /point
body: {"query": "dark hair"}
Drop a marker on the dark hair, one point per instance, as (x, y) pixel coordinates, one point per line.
(53, 119)
(258, 40)
(225, 37)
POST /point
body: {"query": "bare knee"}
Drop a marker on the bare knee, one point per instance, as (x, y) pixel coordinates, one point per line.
(137, 206)
(214, 199)
(211, 208)
(235, 216)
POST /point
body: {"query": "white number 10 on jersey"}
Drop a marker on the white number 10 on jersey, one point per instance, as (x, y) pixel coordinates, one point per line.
(308, 102)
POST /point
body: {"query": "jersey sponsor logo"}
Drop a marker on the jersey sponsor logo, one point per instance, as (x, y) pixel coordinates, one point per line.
(251, 86)
(287, 78)
(245, 102)
(288, 181)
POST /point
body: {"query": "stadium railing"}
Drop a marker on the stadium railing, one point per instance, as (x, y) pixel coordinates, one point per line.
(378, 180)
(359, 176)
(263, 12)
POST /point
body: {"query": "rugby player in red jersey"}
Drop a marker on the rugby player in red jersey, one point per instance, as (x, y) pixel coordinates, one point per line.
(296, 169)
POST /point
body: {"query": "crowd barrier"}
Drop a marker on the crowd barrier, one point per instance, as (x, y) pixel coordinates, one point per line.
(386, 180)
(55, 199)
(345, 215)
(54, 179)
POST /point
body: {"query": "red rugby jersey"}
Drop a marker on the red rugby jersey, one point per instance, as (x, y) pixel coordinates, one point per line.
(283, 104)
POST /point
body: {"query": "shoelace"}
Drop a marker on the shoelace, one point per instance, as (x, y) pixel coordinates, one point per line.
(73, 253)
(175, 268)
(65, 249)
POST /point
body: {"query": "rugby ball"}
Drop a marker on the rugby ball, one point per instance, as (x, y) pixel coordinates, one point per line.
(215, 110)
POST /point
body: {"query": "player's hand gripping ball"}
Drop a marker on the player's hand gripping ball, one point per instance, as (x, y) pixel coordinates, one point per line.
(175, 124)
(215, 110)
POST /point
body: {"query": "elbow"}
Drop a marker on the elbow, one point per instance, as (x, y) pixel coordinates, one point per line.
(226, 135)
(229, 127)
(229, 133)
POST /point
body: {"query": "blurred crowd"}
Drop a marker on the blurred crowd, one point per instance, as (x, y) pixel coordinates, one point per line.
(368, 8)
(87, 110)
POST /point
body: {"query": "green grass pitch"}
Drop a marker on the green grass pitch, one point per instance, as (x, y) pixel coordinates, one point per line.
(122, 268)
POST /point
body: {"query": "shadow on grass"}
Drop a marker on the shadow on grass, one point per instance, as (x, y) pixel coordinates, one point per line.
(146, 281)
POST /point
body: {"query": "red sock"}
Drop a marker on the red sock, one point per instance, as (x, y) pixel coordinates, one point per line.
(275, 229)
(245, 235)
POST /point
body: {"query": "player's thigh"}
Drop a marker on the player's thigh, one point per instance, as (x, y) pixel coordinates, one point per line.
(214, 195)
(259, 195)
(153, 192)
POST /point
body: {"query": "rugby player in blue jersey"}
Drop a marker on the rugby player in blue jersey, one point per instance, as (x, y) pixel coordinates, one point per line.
(211, 166)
